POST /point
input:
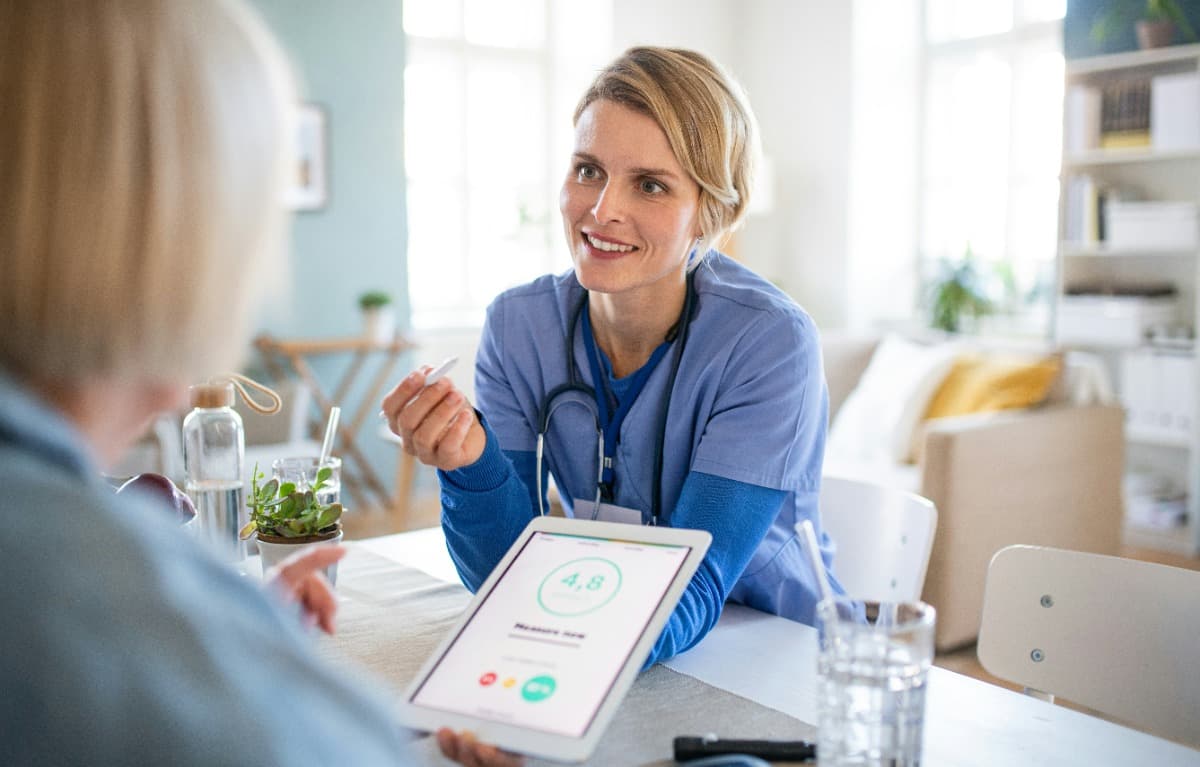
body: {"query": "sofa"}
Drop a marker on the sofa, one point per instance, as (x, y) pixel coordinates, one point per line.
(1048, 475)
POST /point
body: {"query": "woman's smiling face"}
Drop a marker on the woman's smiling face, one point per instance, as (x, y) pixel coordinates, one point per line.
(630, 211)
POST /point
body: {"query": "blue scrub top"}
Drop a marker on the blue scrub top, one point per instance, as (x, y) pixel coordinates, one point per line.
(749, 404)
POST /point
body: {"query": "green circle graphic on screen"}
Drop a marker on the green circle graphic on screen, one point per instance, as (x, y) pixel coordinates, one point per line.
(579, 587)
(538, 688)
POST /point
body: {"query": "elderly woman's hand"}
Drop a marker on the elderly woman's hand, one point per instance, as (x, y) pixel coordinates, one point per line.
(300, 578)
(463, 748)
(436, 423)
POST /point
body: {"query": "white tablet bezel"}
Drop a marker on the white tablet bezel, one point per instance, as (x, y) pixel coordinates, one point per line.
(548, 745)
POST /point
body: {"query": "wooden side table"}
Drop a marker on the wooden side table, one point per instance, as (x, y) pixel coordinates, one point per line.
(289, 359)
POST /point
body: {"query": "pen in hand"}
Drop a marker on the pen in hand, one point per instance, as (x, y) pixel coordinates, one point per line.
(433, 376)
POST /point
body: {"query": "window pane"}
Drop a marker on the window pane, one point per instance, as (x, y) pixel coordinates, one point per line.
(967, 120)
(508, 24)
(1034, 222)
(957, 19)
(506, 119)
(507, 245)
(433, 18)
(436, 269)
(1040, 10)
(507, 216)
(964, 212)
(433, 113)
(1037, 109)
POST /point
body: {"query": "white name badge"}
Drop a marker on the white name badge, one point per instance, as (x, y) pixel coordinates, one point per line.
(608, 512)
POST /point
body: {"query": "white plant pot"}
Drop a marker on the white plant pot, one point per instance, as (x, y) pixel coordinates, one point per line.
(379, 324)
(273, 553)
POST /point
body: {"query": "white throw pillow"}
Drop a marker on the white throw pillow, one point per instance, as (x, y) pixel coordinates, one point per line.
(879, 417)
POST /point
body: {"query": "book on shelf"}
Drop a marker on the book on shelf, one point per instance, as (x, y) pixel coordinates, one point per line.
(1160, 112)
(1125, 113)
(1086, 220)
(1114, 115)
(1082, 119)
(1125, 139)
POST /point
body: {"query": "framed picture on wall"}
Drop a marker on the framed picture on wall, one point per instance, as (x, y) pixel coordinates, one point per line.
(309, 189)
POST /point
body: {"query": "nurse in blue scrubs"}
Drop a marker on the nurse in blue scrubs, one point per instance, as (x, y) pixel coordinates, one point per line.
(658, 381)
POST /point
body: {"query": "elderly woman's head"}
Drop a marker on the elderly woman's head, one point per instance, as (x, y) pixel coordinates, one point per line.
(706, 119)
(143, 152)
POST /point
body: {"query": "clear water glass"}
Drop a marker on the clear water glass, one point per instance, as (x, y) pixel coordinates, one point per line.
(302, 472)
(873, 667)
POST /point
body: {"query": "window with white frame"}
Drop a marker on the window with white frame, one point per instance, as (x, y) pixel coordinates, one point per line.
(992, 125)
(489, 90)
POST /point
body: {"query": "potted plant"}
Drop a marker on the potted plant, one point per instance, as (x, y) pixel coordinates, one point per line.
(284, 519)
(958, 293)
(379, 321)
(1156, 21)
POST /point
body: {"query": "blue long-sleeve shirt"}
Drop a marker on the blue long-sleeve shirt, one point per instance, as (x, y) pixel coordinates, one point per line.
(739, 411)
(124, 642)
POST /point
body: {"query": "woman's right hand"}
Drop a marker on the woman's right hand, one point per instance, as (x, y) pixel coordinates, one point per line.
(463, 748)
(436, 424)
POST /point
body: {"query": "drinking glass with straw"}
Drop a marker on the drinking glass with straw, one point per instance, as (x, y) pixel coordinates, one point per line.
(302, 472)
(871, 674)
(335, 413)
(809, 538)
(326, 458)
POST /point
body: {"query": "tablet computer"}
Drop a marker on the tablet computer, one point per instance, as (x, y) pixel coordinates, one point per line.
(551, 642)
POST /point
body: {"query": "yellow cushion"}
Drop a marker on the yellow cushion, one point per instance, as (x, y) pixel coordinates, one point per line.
(986, 383)
(980, 383)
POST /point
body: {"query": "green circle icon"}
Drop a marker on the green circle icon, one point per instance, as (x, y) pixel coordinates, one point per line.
(538, 688)
(579, 587)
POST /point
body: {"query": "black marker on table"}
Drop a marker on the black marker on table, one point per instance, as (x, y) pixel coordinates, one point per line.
(693, 747)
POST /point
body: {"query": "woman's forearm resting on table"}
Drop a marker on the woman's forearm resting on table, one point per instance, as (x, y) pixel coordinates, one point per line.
(737, 515)
(486, 506)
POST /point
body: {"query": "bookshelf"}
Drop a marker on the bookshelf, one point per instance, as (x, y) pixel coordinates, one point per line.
(1129, 269)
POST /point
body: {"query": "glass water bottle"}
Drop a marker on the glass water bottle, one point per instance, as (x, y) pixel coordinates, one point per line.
(214, 448)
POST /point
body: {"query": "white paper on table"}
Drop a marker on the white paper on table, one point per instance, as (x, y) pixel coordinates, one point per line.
(732, 657)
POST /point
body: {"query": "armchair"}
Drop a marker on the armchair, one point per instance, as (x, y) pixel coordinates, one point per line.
(1046, 476)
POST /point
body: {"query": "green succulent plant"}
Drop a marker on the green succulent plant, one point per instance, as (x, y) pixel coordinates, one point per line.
(282, 511)
(374, 299)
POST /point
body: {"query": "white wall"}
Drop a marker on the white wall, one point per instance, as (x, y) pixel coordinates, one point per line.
(794, 59)
(709, 26)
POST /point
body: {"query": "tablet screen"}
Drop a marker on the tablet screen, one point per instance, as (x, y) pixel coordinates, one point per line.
(547, 643)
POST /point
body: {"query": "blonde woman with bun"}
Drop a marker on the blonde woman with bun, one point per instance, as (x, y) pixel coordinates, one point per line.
(702, 379)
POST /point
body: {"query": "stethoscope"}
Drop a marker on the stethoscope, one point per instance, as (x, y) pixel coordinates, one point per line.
(575, 385)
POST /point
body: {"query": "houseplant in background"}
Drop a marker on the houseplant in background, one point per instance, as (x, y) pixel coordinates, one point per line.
(285, 519)
(958, 293)
(1156, 21)
(379, 320)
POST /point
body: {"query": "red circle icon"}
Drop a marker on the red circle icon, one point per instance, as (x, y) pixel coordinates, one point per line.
(488, 678)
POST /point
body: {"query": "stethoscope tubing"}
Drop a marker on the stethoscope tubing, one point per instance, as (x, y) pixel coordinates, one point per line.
(574, 384)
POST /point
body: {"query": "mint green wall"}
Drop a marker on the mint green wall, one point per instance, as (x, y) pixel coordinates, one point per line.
(349, 58)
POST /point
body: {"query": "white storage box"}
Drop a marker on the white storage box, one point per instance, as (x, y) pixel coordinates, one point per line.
(1113, 321)
(1153, 225)
(1175, 111)
(1158, 389)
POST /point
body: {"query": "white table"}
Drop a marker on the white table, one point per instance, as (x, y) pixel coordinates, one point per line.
(772, 662)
